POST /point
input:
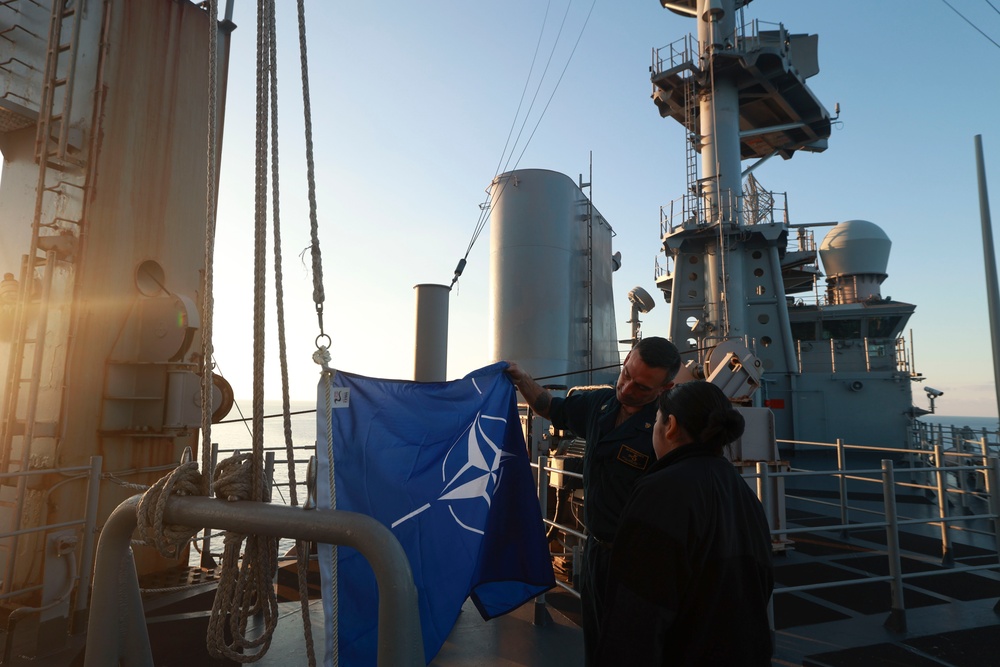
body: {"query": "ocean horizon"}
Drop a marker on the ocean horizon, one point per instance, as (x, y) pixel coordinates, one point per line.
(961, 421)
(235, 433)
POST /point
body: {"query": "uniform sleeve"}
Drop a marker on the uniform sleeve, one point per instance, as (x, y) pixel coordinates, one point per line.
(572, 413)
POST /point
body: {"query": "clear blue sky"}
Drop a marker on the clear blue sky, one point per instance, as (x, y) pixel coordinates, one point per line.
(412, 104)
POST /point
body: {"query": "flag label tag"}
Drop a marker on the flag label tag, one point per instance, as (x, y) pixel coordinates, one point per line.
(340, 397)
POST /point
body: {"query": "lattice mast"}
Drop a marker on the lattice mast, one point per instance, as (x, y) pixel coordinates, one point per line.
(739, 96)
(720, 184)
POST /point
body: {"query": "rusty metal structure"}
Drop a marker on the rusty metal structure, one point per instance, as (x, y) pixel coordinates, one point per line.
(103, 110)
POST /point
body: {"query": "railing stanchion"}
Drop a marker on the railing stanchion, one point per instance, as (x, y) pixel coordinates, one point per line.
(87, 551)
(842, 479)
(764, 494)
(897, 613)
(947, 559)
(984, 448)
(541, 613)
(268, 476)
(993, 478)
(960, 476)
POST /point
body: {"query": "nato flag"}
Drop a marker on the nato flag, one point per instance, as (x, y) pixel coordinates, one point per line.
(445, 467)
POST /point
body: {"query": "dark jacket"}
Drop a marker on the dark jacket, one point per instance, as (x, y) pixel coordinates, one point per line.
(615, 456)
(691, 569)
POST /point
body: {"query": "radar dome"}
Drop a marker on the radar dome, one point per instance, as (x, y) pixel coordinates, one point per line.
(855, 247)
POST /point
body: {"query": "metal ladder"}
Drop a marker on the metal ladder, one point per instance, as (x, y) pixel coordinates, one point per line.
(55, 231)
(692, 196)
(590, 270)
(52, 139)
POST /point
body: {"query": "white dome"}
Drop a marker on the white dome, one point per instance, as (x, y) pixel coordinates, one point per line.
(855, 247)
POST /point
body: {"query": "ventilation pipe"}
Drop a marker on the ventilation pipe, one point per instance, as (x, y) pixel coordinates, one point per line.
(430, 350)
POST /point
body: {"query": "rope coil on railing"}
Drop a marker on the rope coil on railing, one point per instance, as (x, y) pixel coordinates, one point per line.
(246, 585)
(233, 479)
(169, 539)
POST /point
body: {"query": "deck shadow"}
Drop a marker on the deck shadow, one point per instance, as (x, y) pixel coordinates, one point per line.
(792, 610)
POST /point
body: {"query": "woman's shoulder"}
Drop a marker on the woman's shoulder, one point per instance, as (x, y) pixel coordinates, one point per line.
(675, 475)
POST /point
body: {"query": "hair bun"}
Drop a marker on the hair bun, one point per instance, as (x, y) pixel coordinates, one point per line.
(704, 412)
(723, 426)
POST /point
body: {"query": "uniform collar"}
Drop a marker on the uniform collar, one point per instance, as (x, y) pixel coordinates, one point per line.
(642, 420)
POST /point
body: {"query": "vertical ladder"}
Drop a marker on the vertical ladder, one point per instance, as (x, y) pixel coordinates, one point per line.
(590, 270)
(54, 114)
(54, 234)
(692, 198)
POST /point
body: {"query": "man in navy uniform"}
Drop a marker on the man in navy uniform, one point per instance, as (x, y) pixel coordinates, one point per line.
(618, 427)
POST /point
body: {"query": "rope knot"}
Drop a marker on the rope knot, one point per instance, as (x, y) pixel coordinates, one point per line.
(322, 357)
(169, 539)
(234, 478)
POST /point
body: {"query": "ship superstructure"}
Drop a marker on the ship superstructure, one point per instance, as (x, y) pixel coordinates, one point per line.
(103, 110)
(738, 269)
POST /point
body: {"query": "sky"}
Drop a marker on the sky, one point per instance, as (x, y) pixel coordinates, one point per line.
(412, 105)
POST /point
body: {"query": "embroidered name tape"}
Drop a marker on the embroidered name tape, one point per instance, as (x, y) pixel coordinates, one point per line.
(634, 458)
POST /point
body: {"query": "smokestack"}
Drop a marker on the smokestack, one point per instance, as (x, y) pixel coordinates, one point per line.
(430, 350)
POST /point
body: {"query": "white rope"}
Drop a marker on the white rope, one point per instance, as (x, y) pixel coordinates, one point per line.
(334, 589)
(208, 299)
(319, 295)
(246, 587)
(302, 547)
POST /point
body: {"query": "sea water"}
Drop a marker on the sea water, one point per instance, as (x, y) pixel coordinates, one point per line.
(977, 424)
(235, 434)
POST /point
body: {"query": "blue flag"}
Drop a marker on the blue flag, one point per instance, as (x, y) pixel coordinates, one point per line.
(445, 467)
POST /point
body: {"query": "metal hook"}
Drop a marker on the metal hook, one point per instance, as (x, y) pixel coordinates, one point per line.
(311, 503)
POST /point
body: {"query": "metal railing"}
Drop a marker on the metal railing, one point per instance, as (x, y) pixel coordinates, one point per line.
(674, 54)
(851, 355)
(87, 524)
(935, 472)
(943, 475)
(744, 39)
(117, 632)
(543, 470)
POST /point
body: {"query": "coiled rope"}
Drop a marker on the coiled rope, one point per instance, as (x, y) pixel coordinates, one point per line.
(169, 539)
(246, 589)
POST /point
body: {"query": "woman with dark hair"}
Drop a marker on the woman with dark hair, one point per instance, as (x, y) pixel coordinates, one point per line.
(691, 566)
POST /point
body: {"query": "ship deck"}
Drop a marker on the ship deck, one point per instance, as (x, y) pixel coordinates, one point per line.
(951, 615)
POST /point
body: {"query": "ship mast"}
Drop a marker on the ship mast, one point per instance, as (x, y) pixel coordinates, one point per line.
(739, 272)
(740, 93)
(720, 184)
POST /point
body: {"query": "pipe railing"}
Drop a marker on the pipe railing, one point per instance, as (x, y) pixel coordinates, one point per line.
(117, 632)
(87, 523)
(891, 521)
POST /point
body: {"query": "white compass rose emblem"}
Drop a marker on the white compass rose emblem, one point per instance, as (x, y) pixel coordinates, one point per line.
(471, 472)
